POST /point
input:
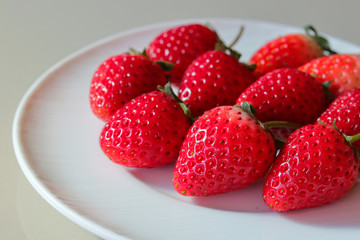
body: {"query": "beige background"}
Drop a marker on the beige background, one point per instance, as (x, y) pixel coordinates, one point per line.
(35, 34)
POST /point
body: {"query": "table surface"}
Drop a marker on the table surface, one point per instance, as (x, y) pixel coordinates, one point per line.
(35, 34)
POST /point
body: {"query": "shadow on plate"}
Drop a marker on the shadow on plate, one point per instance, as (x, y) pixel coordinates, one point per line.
(344, 212)
(245, 200)
(159, 178)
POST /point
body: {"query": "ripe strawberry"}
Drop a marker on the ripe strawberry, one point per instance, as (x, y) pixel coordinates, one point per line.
(341, 70)
(226, 149)
(286, 94)
(345, 110)
(181, 45)
(215, 78)
(281, 133)
(316, 166)
(121, 78)
(146, 132)
(291, 50)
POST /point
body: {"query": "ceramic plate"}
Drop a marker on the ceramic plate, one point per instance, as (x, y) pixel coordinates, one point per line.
(56, 142)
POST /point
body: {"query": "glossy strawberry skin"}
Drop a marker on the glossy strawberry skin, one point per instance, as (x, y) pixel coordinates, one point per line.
(213, 79)
(341, 70)
(345, 110)
(286, 94)
(146, 132)
(224, 150)
(181, 45)
(121, 78)
(288, 51)
(316, 166)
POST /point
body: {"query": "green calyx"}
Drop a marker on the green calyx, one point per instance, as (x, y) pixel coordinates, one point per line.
(168, 90)
(136, 52)
(326, 86)
(250, 109)
(323, 42)
(251, 67)
(349, 139)
(221, 46)
(167, 66)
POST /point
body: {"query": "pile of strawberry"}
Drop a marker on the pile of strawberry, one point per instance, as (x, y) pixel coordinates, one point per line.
(291, 115)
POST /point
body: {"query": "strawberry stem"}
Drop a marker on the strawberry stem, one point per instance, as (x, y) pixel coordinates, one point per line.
(353, 138)
(323, 42)
(349, 139)
(221, 46)
(282, 124)
(279, 142)
(250, 109)
(237, 37)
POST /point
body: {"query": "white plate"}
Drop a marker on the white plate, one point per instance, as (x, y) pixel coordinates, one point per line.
(56, 142)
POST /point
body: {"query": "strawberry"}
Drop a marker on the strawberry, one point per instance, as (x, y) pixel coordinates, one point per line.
(180, 45)
(345, 110)
(282, 133)
(215, 78)
(121, 78)
(225, 149)
(316, 166)
(286, 94)
(341, 70)
(146, 132)
(291, 50)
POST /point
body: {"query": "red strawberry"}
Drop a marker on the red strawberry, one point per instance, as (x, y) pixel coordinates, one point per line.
(181, 45)
(316, 166)
(120, 79)
(286, 94)
(225, 149)
(146, 132)
(292, 50)
(281, 133)
(345, 110)
(215, 78)
(341, 70)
